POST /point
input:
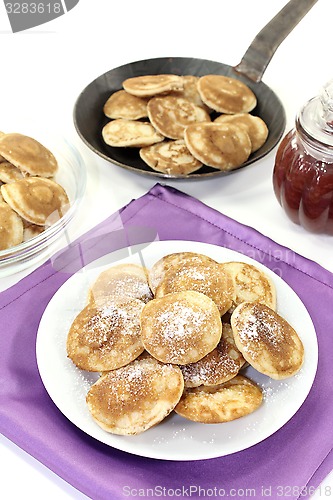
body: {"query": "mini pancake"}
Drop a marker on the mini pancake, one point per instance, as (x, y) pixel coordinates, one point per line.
(123, 282)
(27, 154)
(31, 231)
(251, 284)
(180, 328)
(226, 95)
(267, 341)
(206, 277)
(121, 104)
(38, 200)
(170, 157)
(254, 126)
(150, 85)
(223, 146)
(221, 403)
(190, 91)
(9, 173)
(130, 133)
(134, 398)
(157, 272)
(11, 227)
(170, 115)
(105, 338)
(217, 367)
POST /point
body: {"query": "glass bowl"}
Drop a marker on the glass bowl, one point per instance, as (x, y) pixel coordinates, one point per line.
(71, 175)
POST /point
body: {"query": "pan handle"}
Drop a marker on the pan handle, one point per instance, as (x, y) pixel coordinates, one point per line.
(264, 45)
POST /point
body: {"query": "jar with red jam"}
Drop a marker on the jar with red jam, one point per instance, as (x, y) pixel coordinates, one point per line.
(303, 170)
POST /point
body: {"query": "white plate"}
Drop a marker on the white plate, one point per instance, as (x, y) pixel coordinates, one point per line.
(175, 438)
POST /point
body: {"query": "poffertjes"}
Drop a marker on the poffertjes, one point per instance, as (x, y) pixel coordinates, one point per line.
(28, 155)
(107, 337)
(206, 277)
(217, 367)
(134, 398)
(38, 200)
(220, 403)
(251, 284)
(130, 133)
(181, 327)
(170, 157)
(223, 146)
(225, 94)
(266, 340)
(151, 85)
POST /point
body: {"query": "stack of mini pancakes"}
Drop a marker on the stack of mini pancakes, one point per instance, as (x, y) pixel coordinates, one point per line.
(176, 337)
(180, 123)
(30, 200)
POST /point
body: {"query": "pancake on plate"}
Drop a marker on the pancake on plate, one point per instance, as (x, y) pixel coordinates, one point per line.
(267, 341)
(134, 398)
(123, 282)
(105, 338)
(217, 367)
(220, 403)
(204, 276)
(157, 272)
(181, 327)
(251, 284)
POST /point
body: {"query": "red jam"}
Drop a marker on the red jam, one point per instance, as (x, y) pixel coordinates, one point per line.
(303, 184)
(303, 170)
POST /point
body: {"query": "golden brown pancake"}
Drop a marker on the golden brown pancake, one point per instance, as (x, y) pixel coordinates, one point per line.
(267, 341)
(221, 403)
(190, 91)
(31, 230)
(221, 146)
(150, 85)
(132, 399)
(251, 284)
(9, 173)
(27, 154)
(170, 157)
(180, 328)
(170, 115)
(206, 276)
(121, 104)
(225, 94)
(130, 133)
(107, 337)
(123, 282)
(157, 272)
(38, 200)
(11, 227)
(254, 126)
(217, 367)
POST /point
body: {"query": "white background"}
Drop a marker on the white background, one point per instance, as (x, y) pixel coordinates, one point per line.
(44, 69)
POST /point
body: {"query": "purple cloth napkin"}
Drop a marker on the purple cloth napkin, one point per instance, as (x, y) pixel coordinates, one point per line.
(288, 464)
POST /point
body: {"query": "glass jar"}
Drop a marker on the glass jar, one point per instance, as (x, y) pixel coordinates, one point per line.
(303, 170)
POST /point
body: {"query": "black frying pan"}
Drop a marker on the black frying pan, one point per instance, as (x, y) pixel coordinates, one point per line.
(89, 118)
